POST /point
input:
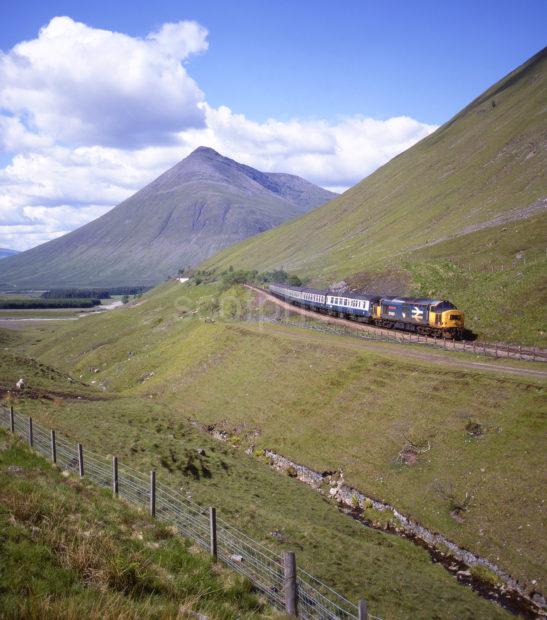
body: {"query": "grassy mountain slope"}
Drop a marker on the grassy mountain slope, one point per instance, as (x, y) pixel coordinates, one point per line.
(193, 210)
(68, 550)
(161, 366)
(460, 214)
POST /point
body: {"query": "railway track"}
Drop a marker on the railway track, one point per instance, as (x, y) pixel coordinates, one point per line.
(488, 349)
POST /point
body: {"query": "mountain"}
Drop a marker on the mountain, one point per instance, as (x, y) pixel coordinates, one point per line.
(201, 205)
(461, 214)
(5, 252)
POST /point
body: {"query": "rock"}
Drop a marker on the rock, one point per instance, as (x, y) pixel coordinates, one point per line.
(200, 451)
(236, 558)
(333, 491)
(538, 599)
(462, 574)
(20, 384)
(15, 469)
(278, 536)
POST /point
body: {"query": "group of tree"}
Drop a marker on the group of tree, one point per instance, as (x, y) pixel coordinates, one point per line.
(232, 276)
(242, 276)
(94, 293)
(35, 303)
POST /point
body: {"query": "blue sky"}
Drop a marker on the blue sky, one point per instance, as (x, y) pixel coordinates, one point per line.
(98, 98)
(283, 58)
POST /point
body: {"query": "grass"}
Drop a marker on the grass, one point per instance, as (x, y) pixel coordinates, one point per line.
(68, 550)
(485, 163)
(160, 367)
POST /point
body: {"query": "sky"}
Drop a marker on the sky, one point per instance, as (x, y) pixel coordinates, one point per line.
(99, 98)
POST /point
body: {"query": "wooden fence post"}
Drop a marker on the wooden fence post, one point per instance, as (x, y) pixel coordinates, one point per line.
(153, 493)
(115, 487)
(291, 599)
(81, 460)
(53, 447)
(30, 433)
(213, 546)
(362, 609)
(11, 419)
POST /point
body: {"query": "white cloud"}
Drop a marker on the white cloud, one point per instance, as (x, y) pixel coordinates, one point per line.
(91, 116)
(89, 86)
(331, 154)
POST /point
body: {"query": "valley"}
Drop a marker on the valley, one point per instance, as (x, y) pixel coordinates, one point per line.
(143, 377)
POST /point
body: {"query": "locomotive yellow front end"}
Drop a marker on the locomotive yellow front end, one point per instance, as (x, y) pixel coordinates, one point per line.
(452, 322)
(447, 320)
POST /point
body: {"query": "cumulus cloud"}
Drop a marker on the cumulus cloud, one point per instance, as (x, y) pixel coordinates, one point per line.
(82, 85)
(90, 116)
(331, 154)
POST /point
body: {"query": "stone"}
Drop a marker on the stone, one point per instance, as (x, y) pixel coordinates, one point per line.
(236, 558)
(463, 573)
(200, 451)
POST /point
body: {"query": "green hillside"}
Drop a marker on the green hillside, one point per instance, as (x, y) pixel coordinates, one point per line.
(459, 215)
(68, 550)
(150, 376)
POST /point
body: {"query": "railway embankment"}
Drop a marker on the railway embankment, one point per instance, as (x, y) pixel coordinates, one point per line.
(476, 347)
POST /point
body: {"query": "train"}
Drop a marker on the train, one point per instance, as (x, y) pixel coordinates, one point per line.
(430, 317)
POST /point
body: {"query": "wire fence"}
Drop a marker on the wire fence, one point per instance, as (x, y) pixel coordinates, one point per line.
(301, 594)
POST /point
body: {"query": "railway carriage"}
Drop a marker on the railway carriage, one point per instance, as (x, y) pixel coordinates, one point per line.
(305, 297)
(351, 304)
(426, 316)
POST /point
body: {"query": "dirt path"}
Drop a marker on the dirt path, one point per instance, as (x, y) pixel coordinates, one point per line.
(426, 355)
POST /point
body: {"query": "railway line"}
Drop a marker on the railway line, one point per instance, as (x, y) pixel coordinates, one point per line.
(488, 349)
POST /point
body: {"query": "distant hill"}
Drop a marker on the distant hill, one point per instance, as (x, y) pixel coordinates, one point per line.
(461, 214)
(5, 252)
(201, 205)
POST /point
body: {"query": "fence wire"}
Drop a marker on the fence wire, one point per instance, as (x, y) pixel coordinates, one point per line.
(263, 567)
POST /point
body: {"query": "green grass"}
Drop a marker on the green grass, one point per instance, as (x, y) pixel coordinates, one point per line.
(68, 550)
(484, 163)
(325, 401)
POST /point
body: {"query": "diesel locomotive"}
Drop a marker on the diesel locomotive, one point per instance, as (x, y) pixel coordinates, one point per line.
(430, 317)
